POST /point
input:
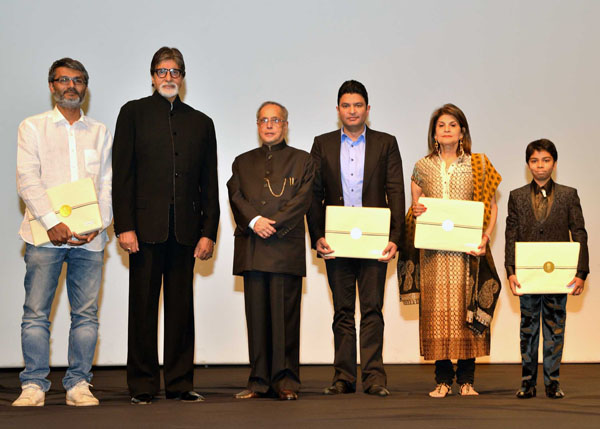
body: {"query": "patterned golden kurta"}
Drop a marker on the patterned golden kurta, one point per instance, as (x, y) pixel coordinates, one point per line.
(444, 275)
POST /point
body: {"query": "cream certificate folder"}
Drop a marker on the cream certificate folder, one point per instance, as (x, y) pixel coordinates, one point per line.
(75, 204)
(357, 232)
(545, 267)
(454, 225)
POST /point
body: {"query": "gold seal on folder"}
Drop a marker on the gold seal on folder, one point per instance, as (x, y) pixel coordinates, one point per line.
(76, 204)
(546, 267)
(65, 210)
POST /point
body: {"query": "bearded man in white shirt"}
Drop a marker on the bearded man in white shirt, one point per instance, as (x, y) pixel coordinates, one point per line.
(56, 147)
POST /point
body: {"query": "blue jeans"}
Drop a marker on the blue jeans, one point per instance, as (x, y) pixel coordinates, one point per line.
(84, 276)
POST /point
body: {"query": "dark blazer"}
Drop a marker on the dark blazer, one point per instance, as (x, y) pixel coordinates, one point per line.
(564, 221)
(383, 180)
(163, 156)
(250, 196)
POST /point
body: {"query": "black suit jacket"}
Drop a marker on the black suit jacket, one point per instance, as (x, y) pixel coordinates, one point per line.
(163, 156)
(564, 221)
(250, 196)
(383, 180)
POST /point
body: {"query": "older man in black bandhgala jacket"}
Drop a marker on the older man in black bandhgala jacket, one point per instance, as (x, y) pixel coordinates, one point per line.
(544, 211)
(270, 192)
(166, 210)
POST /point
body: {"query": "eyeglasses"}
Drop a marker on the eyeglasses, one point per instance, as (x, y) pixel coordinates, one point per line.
(64, 80)
(274, 121)
(175, 73)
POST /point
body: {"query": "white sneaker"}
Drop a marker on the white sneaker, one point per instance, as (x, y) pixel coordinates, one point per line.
(31, 396)
(80, 395)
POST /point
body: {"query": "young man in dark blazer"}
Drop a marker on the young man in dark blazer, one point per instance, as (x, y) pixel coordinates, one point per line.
(270, 192)
(166, 211)
(357, 166)
(544, 211)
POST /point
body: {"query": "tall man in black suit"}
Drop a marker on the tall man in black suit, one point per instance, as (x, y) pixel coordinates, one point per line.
(357, 166)
(166, 211)
(544, 211)
(270, 191)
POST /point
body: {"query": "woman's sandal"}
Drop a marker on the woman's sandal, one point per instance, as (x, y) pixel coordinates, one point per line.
(441, 390)
(466, 389)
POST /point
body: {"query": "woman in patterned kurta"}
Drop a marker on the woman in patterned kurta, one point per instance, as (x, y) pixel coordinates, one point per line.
(445, 276)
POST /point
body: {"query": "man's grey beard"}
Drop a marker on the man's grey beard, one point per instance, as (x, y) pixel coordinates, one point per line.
(167, 92)
(68, 103)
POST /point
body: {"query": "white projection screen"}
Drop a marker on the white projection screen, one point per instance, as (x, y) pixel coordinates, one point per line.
(520, 70)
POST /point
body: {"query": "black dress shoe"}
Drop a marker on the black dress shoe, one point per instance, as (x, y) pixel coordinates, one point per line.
(248, 394)
(142, 399)
(338, 387)
(287, 395)
(526, 391)
(553, 390)
(190, 396)
(378, 390)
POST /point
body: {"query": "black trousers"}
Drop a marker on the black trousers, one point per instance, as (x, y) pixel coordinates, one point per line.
(465, 371)
(273, 319)
(554, 316)
(344, 274)
(172, 264)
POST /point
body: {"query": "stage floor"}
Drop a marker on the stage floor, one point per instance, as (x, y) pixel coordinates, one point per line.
(409, 406)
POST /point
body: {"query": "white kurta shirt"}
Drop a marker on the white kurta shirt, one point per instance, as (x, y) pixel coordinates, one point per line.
(52, 152)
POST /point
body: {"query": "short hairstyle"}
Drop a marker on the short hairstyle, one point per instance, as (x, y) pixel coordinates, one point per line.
(454, 111)
(68, 63)
(284, 111)
(165, 53)
(539, 145)
(353, 87)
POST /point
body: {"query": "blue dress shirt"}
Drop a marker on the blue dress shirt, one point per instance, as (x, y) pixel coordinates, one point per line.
(352, 166)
